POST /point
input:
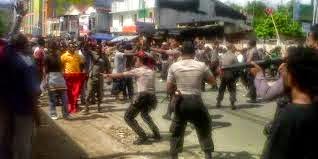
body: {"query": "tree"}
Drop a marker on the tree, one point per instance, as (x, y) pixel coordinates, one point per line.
(256, 9)
(3, 23)
(63, 5)
(285, 25)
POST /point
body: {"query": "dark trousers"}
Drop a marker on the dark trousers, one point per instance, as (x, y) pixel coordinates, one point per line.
(128, 87)
(164, 70)
(251, 87)
(118, 86)
(170, 107)
(143, 104)
(95, 89)
(229, 82)
(191, 109)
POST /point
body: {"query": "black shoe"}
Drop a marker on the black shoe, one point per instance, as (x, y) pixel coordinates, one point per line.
(233, 107)
(99, 110)
(218, 105)
(141, 141)
(167, 117)
(174, 156)
(208, 155)
(157, 137)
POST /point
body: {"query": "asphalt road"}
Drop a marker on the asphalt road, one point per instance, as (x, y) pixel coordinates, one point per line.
(236, 134)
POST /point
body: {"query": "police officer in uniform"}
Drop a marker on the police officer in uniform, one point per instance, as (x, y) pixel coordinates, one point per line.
(95, 84)
(145, 100)
(252, 55)
(184, 79)
(228, 77)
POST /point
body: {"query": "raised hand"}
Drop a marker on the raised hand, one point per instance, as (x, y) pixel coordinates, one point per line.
(21, 9)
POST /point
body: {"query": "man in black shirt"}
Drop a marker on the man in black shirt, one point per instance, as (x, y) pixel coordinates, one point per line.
(294, 132)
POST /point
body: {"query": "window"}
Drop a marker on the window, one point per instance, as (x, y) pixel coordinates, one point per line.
(150, 15)
(135, 18)
(121, 20)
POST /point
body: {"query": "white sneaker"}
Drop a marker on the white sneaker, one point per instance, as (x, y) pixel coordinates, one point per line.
(54, 117)
(161, 80)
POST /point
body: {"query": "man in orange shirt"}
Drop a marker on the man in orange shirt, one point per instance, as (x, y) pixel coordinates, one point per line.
(73, 75)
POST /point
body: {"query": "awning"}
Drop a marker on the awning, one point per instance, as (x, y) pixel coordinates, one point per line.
(124, 38)
(101, 36)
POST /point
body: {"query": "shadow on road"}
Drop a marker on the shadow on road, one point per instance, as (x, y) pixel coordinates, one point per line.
(89, 117)
(218, 116)
(218, 124)
(234, 155)
(239, 106)
(187, 153)
(51, 142)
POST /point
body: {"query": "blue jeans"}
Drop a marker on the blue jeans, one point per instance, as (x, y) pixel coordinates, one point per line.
(53, 95)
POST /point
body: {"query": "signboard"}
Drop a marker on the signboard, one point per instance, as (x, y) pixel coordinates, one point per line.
(116, 29)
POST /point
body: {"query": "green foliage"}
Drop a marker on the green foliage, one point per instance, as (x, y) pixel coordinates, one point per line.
(256, 9)
(285, 25)
(3, 23)
(63, 5)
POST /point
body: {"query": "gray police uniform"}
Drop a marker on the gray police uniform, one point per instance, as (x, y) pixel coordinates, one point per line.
(187, 75)
(95, 83)
(252, 55)
(228, 78)
(144, 102)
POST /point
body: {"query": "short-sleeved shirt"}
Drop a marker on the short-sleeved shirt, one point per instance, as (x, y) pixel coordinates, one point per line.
(214, 55)
(53, 63)
(100, 64)
(188, 75)
(173, 54)
(71, 62)
(145, 78)
(228, 58)
(119, 62)
(253, 55)
(202, 56)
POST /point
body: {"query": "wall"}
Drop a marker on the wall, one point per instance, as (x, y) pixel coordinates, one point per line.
(130, 10)
(103, 22)
(168, 18)
(131, 5)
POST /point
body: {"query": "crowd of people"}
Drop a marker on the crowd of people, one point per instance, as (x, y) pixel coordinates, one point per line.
(73, 73)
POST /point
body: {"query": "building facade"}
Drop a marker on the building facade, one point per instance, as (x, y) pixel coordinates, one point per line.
(125, 14)
(33, 21)
(171, 14)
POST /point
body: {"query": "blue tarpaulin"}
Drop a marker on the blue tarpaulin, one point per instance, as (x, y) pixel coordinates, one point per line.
(101, 36)
(124, 38)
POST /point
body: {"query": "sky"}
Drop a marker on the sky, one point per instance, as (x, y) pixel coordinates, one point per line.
(272, 2)
(5, 1)
(243, 2)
